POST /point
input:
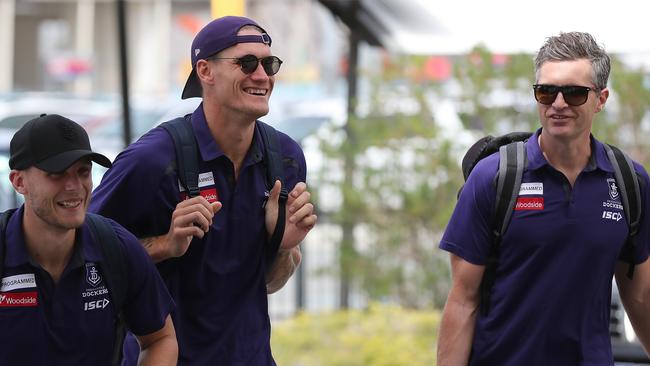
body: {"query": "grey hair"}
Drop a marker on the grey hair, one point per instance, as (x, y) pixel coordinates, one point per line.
(574, 46)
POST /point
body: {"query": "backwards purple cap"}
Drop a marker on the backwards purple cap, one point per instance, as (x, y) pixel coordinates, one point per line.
(215, 37)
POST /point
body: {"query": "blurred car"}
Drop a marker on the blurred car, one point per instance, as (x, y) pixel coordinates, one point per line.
(100, 117)
(20, 108)
(297, 125)
(9, 198)
(625, 345)
(108, 138)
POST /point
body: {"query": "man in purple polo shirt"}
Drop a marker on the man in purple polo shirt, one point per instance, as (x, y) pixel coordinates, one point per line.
(56, 307)
(550, 301)
(213, 247)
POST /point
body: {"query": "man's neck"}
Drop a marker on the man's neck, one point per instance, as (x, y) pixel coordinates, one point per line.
(567, 156)
(232, 132)
(50, 247)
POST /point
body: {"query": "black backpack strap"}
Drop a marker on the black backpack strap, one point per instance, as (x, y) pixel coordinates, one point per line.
(115, 274)
(628, 184)
(511, 168)
(274, 171)
(4, 219)
(186, 147)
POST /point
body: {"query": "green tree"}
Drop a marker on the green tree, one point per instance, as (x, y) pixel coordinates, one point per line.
(496, 94)
(626, 110)
(397, 199)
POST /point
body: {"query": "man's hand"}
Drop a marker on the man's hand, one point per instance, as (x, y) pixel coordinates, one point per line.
(191, 218)
(635, 296)
(300, 217)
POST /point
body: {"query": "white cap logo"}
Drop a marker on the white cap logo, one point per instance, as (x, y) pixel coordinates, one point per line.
(197, 51)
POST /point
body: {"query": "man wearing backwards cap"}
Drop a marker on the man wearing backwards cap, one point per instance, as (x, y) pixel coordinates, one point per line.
(55, 307)
(219, 275)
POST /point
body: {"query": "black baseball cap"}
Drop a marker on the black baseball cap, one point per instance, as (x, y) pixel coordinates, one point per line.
(51, 143)
(215, 37)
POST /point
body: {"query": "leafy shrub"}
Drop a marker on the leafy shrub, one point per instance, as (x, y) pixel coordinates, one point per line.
(380, 335)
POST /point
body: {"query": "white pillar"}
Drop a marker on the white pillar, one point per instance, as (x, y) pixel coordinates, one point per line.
(163, 24)
(7, 18)
(85, 42)
(149, 40)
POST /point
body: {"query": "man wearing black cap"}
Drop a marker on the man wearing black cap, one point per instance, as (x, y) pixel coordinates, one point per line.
(56, 302)
(213, 248)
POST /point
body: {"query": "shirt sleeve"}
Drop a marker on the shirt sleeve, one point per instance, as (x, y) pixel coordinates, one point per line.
(142, 180)
(148, 301)
(468, 233)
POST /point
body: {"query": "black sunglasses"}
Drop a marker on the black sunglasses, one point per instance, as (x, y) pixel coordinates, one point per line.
(248, 63)
(573, 95)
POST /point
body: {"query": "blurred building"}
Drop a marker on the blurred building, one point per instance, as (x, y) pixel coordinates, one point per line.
(71, 45)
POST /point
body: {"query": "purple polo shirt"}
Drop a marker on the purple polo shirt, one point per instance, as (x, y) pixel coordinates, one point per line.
(219, 288)
(72, 322)
(550, 302)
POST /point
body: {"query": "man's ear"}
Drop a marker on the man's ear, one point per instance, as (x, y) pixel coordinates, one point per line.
(204, 71)
(602, 98)
(17, 178)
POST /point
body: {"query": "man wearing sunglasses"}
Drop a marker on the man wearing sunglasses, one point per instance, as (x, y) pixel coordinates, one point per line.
(211, 247)
(550, 301)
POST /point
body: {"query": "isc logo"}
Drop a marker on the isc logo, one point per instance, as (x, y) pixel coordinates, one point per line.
(98, 304)
(616, 216)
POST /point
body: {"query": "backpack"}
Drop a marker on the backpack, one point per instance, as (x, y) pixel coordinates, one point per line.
(187, 167)
(115, 270)
(512, 154)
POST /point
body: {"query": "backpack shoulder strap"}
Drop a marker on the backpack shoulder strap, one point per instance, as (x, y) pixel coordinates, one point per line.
(274, 171)
(628, 184)
(187, 165)
(512, 162)
(274, 167)
(115, 274)
(511, 169)
(4, 219)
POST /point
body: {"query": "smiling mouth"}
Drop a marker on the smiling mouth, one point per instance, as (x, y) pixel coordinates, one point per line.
(560, 117)
(256, 92)
(69, 203)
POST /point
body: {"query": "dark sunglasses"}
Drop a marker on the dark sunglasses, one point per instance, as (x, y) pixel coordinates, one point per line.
(248, 63)
(573, 95)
